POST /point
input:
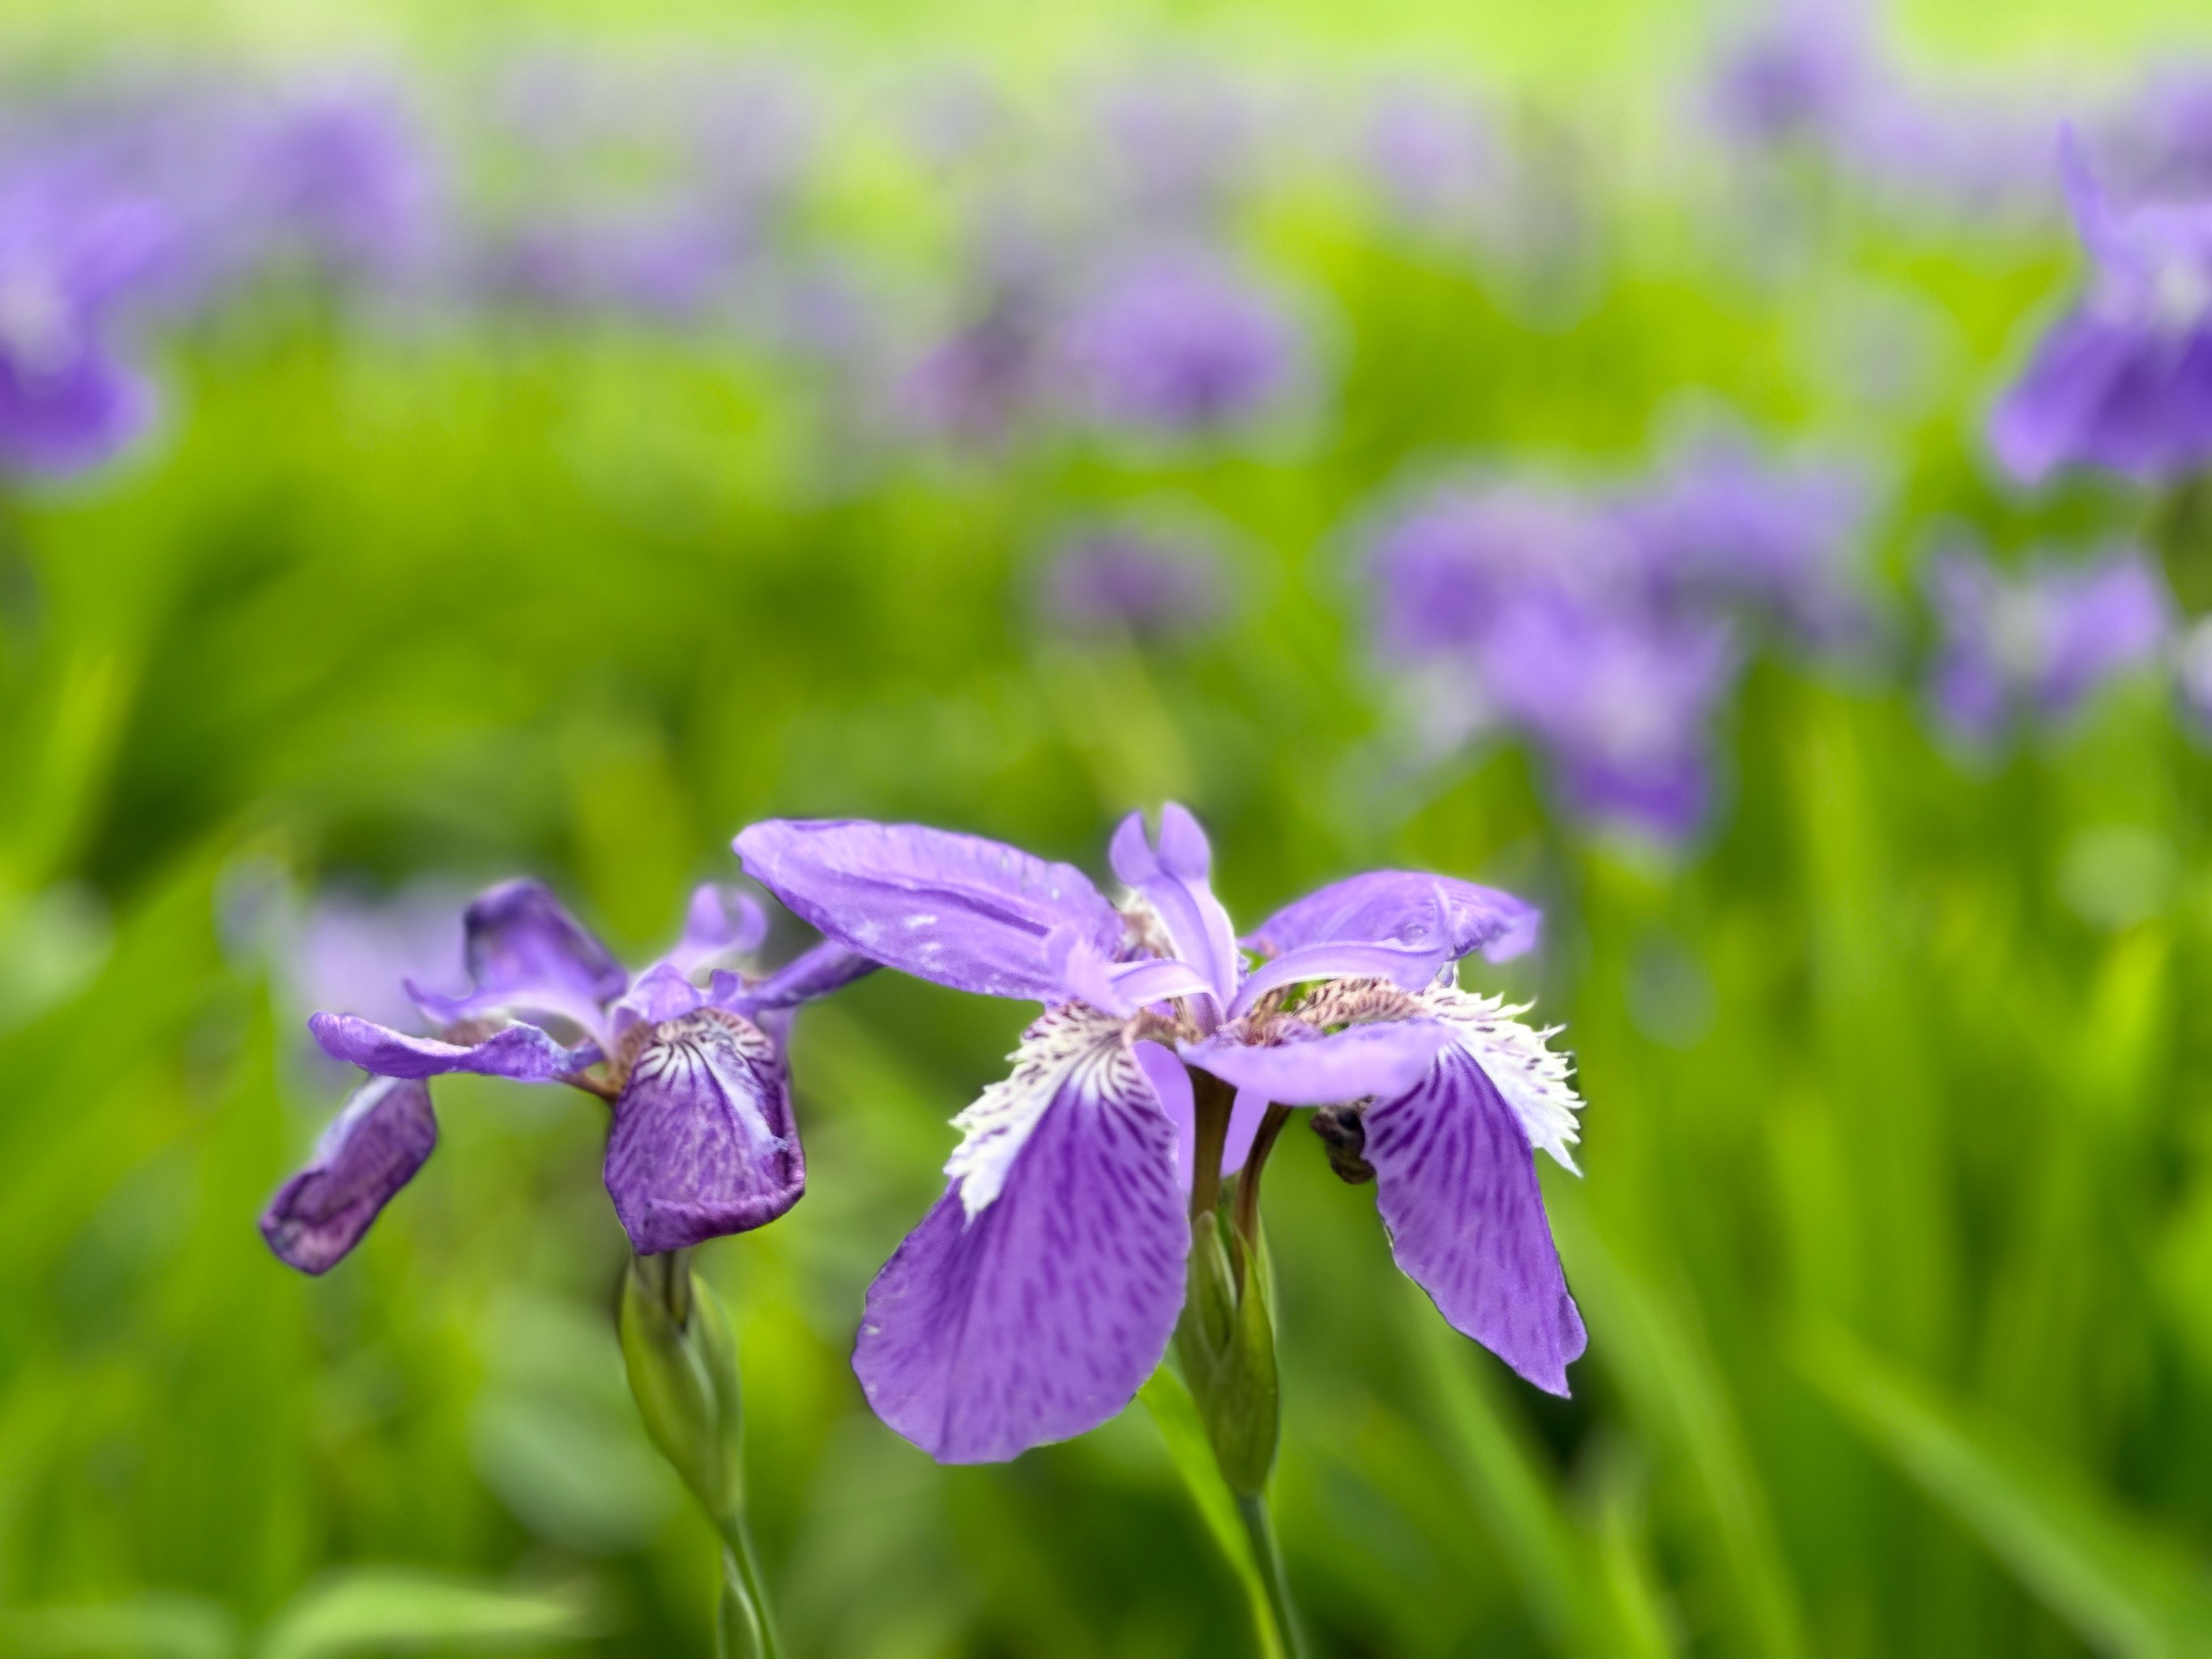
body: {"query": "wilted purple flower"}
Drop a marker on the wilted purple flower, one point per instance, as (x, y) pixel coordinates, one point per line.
(2123, 382)
(703, 1143)
(1722, 526)
(1115, 578)
(1178, 341)
(1041, 1289)
(2036, 644)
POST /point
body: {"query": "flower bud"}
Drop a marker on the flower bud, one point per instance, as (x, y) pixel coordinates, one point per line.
(1226, 1342)
(682, 1360)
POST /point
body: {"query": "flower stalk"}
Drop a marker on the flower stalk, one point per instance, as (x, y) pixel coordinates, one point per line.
(683, 1365)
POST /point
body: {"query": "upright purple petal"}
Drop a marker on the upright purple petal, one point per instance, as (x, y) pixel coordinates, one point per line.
(1173, 878)
(703, 1141)
(521, 1052)
(1400, 906)
(1455, 1184)
(373, 1150)
(719, 921)
(521, 938)
(1038, 1315)
(956, 909)
(1383, 1058)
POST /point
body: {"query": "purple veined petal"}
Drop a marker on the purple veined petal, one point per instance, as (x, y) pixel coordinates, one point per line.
(1409, 966)
(661, 993)
(1385, 1058)
(521, 1052)
(703, 1144)
(815, 972)
(720, 921)
(1172, 876)
(1038, 1315)
(521, 938)
(1400, 906)
(369, 1152)
(1455, 1185)
(956, 909)
(1085, 974)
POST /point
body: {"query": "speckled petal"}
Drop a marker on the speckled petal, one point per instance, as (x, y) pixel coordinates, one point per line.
(1456, 1184)
(369, 1152)
(1042, 1315)
(703, 1141)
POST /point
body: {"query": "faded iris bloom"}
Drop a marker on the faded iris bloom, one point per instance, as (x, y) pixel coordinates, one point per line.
(2123, 381)
(1041, 1289)
(1180, 343)
(2033, 646)
(703, 1142)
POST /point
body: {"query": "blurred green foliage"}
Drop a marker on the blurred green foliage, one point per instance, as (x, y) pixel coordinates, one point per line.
(1895, 1243)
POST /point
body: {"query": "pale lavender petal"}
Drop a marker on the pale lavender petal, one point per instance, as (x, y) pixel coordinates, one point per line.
(1409, 966)
(373, 1150)
(719, 922)
(1456, 1184)
(1041, 1316)
(521, 1052)
(1086, 975)
(956, 909)
(1173, 878)
(1401, 905)
(703, 1141)
(1385, 1058)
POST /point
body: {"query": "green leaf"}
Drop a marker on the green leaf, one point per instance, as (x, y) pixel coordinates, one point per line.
(149, 1627)
(2123, 1586)
(393, 1610)
(1176, 1413)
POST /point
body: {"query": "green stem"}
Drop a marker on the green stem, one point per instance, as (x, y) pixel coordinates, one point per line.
(1289, 1635)
(746, 1627)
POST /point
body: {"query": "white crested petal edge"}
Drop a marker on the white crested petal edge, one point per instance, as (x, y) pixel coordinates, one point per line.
(1518, 1059)
(1066, 1039)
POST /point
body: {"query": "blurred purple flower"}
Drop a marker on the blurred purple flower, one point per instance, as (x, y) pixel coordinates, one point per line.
(354, 954)
(1040, 1292)
(703, 1142)
(1177, 341)
(1179, 139)
(340, 172)
(1432, 153)
(1118, 578)
(1799, 72)
(2123, 381)
(997, 370)
(2036, 644)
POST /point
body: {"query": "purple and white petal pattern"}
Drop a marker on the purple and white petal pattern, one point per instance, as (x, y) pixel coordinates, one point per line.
(1173, 878)
(368, 1153)
(956, 909)
(1400, 906)
(521, 1052)
(1383, 1058)
(703, 1142)
(1456, 1184)
(1040, 1292)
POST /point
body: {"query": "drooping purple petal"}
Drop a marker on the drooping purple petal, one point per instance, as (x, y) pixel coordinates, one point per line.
(1383, 1058)
(1040, 1316)
(1401, 905)
(1173, 879)
(815, 972)
(956, 909)
(522, 1052)
(1456, 1184)
(373, 1150)
(703, 1142)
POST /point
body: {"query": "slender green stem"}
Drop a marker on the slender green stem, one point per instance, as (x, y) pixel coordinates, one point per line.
(1260, 1528)
(746, 1628)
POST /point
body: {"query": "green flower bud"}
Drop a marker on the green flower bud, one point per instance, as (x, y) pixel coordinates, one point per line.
(1226, 1342)
(682, 1358)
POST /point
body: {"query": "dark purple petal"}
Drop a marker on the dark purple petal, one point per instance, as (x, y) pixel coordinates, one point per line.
(1173, 878)
(372, 1151)
(521, 1052)
(703, 1141)
(521, 938)
(1400, 906)
(956, 909)
(1385, 1058)
(1456, 1184)
(1040, 1314)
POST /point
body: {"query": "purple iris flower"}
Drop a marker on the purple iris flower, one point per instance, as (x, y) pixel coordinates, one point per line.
(1116, 578)
(1042, 1288)
(340, 172)
(2123, 382)
(2038, 643)
(1178, 341)
(702, 1143)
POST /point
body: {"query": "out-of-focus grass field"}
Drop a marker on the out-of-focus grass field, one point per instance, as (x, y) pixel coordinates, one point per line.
(1895, 1239)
